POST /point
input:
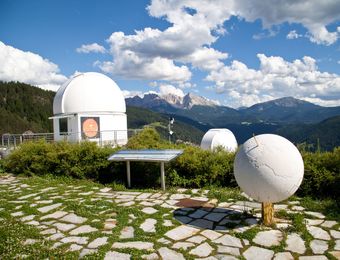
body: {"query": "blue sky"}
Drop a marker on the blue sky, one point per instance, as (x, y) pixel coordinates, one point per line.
(235, 52)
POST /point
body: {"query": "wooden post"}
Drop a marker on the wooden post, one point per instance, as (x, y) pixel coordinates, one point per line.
(268, 213)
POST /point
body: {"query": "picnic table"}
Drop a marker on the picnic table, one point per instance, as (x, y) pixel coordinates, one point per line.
(147, 155)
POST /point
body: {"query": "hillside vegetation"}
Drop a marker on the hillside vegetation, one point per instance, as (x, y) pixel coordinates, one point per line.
(23, 107)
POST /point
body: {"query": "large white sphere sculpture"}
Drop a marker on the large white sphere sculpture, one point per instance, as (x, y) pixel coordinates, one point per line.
(268, 168)
(219, 137)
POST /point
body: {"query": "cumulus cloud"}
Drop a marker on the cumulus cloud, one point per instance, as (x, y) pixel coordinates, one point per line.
(94, 47)
(293, 35)
(314, 15)
(276, 78)
(28, 67)
(166, 89)
(195, 26)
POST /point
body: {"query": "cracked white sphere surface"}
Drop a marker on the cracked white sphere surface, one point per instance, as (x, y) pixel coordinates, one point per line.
(268, 168)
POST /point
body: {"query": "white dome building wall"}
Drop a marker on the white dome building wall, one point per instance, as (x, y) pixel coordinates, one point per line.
(219, 137)
(92, 96)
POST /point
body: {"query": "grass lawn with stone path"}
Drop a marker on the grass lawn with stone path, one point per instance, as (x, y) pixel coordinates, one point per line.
(58, 218)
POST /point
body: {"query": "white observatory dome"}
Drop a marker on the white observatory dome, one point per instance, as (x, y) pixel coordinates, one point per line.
(219, 137)
(89, 92)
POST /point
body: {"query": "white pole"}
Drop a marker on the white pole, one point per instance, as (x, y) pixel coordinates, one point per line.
(162, 176)
(128, 173)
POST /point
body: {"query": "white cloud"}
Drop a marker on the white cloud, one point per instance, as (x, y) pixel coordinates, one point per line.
(314, 15)
(94, 47)
(154, 54)
(166, 89)
(28, 67)
(276, 78)
(293, 35)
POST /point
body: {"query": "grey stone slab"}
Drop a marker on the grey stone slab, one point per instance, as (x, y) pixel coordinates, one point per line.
(228, 250)
(318, 233)
(313, 257)
(27, 218)
(134, 244)
(49, 207)
(73, 218)
(56, 236)
(228, 240)
(83, 230)
(182, 245)
(100, 241)
(55, 215)
(329, 223)
(149, 210)
(112, 255)
(152, 256)
(75, 247)
(75, 239)
(168, 254)
(149, 225)
(216, 217)
(167, 223)
(283, 256)
(335, 234)
(210, 234)
(196, 239)
(202, 250)
(181, 232)
(315, 214)
(202, 223)
(198, 214)
(48, 231)
(164, 241)
(268, 238)
(64, 227)
(295, 244)
(127, 232)
(17, 214)
(110, 224)
(183, 219)
(318, 246)
(337, 245)
(314, 222)
(254, 252)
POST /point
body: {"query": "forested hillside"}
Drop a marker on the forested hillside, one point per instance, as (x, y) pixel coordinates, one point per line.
(24, 107)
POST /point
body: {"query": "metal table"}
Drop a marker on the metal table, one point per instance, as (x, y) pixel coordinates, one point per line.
(161, 156)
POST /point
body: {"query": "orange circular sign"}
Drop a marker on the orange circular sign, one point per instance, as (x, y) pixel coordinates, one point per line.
(90, 127)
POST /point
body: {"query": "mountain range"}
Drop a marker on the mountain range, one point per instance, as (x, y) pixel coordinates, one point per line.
(285, 110)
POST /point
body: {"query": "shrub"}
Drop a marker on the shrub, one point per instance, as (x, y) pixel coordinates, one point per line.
(322, 174)
(84, 160)
(198, 168)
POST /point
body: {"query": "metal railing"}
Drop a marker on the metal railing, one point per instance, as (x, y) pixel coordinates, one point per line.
(112, 138)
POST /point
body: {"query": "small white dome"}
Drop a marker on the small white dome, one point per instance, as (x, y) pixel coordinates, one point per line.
(89, 92)
(219, 137)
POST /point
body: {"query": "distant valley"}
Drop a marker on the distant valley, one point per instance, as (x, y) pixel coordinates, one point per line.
(24, 107)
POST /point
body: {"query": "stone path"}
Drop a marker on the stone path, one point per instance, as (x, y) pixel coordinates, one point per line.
(159, 227)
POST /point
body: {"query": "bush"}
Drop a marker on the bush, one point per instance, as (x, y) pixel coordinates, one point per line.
(149, 138)
(84, 160)
(199, 168)
(322, 174)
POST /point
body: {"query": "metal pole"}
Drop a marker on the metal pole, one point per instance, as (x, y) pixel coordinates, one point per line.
(162, 176)
(128, 173)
